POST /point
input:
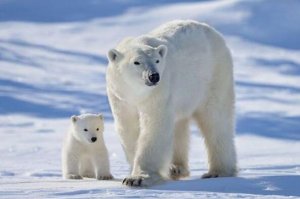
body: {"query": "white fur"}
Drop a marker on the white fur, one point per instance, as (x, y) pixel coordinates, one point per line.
(80, 156)
(196, 82)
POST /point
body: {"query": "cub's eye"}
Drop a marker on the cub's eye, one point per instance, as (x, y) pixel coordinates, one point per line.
(97, 129)
(157, 61)
(85, 129)
(136, 63)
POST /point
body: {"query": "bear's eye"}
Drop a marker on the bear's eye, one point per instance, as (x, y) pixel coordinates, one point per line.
(136, 63)
(157, 61)
(85, 129)
(97, 129)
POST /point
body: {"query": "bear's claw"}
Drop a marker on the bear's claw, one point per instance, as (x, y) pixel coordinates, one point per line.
(210, 175)
(107, 177)
(74, 177)
(133, 181)
(177, 172)
(143, 180)
(89, 175)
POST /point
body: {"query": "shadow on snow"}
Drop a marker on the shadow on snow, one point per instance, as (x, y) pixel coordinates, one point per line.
(286, 67)
(286, 185)
(266, 24)
(69, 10)
(77, 101)
(16, 57)
(269, 125)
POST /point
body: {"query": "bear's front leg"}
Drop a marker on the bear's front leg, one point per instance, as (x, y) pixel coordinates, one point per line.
(87, 169)
(101, 164)
(154, 147)
(71, 167)
(127, 125)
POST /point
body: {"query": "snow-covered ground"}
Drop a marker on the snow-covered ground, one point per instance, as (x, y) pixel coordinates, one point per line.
(52, 65)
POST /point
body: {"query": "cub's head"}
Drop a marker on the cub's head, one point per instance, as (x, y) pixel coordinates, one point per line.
(87, 128)
(139, 63)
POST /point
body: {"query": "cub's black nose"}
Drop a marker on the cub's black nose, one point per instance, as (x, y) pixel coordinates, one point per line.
(94, 139)
(154, 78)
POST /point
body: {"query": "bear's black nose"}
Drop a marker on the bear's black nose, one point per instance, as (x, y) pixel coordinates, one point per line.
(154, 78)
(94, 139)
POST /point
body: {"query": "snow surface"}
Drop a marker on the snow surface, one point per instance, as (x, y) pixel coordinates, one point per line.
(52, 65)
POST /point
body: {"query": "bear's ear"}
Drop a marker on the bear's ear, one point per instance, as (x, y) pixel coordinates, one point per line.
(100, 116)
(162, 50)
(74, 118)
(113, 55)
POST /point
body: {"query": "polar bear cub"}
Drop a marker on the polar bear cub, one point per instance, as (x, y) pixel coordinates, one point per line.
(84, 153)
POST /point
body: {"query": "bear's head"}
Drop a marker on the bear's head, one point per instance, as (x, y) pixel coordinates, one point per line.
(87, 128)
(139, 64)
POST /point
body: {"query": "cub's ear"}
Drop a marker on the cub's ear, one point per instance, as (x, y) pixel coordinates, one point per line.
(162, 50)
(100, 116)
(74, 118)
(113, 55)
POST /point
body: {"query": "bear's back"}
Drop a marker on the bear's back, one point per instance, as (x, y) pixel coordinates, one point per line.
(178, 28)
(177, 34)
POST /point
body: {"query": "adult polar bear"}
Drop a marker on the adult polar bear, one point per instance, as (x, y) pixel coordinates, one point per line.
(156, 84)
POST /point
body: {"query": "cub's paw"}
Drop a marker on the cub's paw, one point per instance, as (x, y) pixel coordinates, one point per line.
(141, 181)
(105, 177)
(176, 172)
(73, 177)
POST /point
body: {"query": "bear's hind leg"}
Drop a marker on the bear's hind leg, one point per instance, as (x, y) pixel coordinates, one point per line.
(179, 167)
(216, 123)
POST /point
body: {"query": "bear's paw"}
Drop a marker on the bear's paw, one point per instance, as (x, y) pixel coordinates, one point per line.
(142, 180)
(176, 172)
(105, 177)
(73, 177)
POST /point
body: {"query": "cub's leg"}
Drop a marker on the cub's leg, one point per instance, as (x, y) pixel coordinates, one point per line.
(71, 166)
(101, 164)
(87, 168)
